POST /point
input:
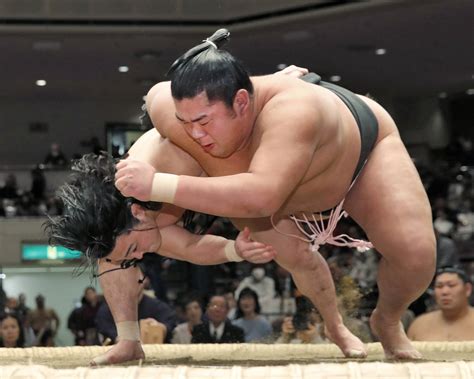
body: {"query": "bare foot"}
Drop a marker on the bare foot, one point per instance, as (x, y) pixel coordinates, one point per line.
(350, 345)
(395, 342)
(123, 351)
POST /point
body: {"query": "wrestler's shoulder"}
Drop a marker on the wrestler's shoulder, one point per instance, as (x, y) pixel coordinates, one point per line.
(427, 317)
(295, 104)
(160, 89)
(294, 95)
(159, 104)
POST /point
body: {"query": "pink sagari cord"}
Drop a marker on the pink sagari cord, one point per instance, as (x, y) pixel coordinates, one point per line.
(321, 234)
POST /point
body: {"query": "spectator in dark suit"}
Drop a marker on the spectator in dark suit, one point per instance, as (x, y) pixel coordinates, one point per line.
(55, 156)
(217, 329)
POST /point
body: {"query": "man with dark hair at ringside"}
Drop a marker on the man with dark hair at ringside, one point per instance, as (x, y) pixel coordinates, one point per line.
(454, 318)
(274, 153)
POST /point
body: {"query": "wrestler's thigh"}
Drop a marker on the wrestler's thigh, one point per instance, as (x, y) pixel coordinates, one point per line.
(389, 201)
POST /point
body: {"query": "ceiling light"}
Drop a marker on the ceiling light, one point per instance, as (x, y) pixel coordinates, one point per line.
(335, 78)
(281, 66)
(380, 52)
(41, 83)
(470, 91)
(123, 69)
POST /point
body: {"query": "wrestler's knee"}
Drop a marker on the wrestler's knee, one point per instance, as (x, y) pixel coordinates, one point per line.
(302, 260)
(419, 254)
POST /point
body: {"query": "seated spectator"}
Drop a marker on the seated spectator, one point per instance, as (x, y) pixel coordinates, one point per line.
(443, 224)
(217, 329)
(255, 326)
(3, 301)
(446, 251)
(229, 296)
(10, 189)
(11, 305)
(454, 320)
(22, 310)
(11, 332)
(38, 183)
(304, 326)
(263, 285)
(55, 156)
(81, 321)
(193, 312)
(284, 284)
(44, 322)
(148, 307)
(465, 218)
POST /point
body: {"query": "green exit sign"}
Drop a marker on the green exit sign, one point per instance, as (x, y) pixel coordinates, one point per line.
(43, 252)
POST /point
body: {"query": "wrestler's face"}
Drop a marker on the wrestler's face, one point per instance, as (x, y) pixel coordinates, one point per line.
(144, 237)
(451, 292)
(217, 129)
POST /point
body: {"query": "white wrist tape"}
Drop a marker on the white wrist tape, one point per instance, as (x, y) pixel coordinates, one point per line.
(128, 330)
(230, 252)
(164, 187)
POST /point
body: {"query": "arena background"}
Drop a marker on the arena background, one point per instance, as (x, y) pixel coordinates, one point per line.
(425, 78)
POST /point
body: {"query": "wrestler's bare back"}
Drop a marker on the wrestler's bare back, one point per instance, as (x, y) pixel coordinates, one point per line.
(336, 151)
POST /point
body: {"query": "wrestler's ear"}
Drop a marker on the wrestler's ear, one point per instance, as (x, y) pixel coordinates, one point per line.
(241, 101)
(138, 212)
(468, 287)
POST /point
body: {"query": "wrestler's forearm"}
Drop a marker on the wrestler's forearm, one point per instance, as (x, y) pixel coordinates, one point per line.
(242, 195)
(205, 249)
(121, 290)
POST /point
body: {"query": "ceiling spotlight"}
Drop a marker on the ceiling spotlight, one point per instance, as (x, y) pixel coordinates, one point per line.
(470, 91)
(41, 83)
(123, 69)
(281, 66)
(335, 78)
(380, 51)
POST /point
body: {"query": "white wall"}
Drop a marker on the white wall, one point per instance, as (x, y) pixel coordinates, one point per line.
(60, 289)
